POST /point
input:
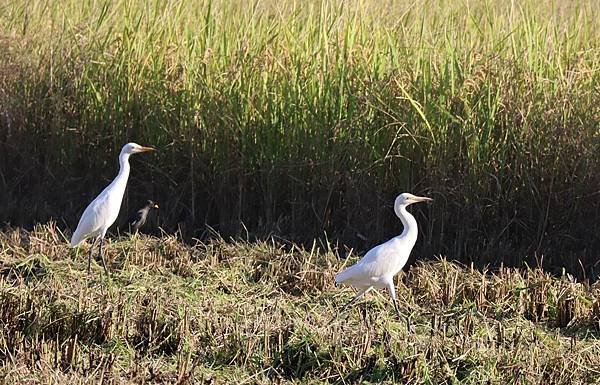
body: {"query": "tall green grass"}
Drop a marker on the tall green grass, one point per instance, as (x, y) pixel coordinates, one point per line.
(307, 117)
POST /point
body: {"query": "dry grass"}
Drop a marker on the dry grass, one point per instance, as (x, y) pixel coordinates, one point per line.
(237, 312)
(302, 117)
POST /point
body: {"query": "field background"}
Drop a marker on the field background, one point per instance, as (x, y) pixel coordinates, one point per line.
(285, 130)
(305, 119)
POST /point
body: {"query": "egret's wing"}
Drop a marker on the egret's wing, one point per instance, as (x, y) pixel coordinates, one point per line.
(92, 220)
(377, 262)
(384, 260)
(380, 260)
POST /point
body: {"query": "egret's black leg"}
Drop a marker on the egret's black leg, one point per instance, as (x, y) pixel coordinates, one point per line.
(392, 289)
(396, 307)
(409, 325)
(352, 302)
(90, 255)
(102, 256)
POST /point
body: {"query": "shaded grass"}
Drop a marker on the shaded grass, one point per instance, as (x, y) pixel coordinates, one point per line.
(300, 118)
(238, 312)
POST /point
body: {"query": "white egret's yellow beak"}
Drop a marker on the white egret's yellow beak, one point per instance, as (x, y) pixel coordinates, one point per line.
(416, 199)
(146, 149)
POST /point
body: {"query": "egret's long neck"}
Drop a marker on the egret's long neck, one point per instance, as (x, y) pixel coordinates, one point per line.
(408, 221)
(120, 181)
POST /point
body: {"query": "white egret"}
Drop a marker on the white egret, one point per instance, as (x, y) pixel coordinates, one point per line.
(103, 211)
(379, 266)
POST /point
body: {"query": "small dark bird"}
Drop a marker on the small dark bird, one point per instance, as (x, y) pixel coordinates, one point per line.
(139, 218)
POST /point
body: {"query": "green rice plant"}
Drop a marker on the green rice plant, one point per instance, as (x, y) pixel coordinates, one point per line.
(307, 117)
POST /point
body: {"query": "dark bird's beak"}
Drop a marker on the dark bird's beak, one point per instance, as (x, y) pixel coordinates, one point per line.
(155, 205)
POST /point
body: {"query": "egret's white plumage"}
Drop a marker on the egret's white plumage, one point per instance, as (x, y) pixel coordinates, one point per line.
(379, 266)
(103, 211)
